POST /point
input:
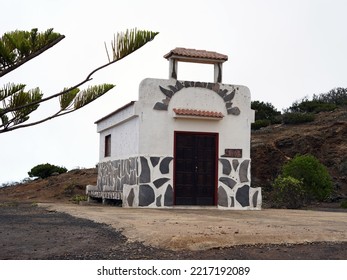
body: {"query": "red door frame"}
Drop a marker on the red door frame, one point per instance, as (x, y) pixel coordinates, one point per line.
(216, 135)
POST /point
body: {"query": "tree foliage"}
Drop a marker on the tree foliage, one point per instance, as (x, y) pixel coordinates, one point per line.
(336, 96)
(18, 47)
(329, 101)
(265, 114)
(306, 106)
(46, 170)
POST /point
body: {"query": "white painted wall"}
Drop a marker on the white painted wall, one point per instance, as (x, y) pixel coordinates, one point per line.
(124, 129)
(140, 130)
(157, 127)
(117, 117)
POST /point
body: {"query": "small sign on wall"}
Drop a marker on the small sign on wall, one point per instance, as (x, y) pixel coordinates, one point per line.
(233, 153)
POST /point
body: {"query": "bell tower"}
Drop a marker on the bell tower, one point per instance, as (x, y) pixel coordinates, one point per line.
(196, 56)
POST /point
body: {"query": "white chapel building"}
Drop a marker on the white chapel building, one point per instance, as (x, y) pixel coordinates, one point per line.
(180, 143)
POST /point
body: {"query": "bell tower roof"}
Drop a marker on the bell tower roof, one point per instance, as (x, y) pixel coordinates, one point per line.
(196, 56)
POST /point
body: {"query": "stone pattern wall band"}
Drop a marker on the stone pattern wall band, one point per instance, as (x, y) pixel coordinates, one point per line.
(234, 185)
(137, 181)
(148, 182)
(155, 185)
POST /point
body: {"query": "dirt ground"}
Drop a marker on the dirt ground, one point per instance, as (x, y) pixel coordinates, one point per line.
(61, 231)
(206, 227)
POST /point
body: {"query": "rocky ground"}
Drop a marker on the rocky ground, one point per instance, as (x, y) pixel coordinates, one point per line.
(31, 232)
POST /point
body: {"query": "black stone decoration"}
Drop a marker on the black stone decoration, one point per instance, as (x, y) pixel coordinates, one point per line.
(226, 166)
(164, 165)
(229, 96)
(222, 197)
(157, 202)
(160, 106)
(223, 93)
(131, 197)
(159, 182)
(243, 171)
(154, 161)
(242, 195)
(145, 176)
(132, 179)
(116, 173)
(132, 163)
(255, 199)
(228, 181)
(235, 164)
(168, 197)
(234, 111)
(167, 92)
(146, 195)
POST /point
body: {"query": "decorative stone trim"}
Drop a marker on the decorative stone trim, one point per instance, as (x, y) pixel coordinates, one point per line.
(112, 175)
(155, 184)
(234, 190)
(147, 181)
(216, 87)
(137, 181)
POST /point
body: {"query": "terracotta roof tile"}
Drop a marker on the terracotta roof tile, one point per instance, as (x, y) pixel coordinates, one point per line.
(198, 113)
(193, 53)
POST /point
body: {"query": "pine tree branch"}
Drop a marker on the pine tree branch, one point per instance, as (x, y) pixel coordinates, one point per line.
(58, 114)
(31, 56)
(89, 78)
(124, 51)
(61, 112)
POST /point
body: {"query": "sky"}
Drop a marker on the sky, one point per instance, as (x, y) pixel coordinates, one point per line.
(282, 50)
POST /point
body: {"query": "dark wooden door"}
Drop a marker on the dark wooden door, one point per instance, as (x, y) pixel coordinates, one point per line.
(195, 168)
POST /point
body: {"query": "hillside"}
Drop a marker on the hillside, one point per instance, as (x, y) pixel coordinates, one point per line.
(59, 188)
(324, 138)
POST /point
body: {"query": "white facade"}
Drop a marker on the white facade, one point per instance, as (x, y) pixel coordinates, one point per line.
(143, 168)
(124, 130)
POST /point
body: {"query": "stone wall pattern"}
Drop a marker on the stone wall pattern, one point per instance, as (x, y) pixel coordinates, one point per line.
(137, 181)
(216, 87)
(147, 182)
(234, 185)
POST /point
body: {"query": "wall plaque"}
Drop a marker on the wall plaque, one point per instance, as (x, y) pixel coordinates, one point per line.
(233, 153)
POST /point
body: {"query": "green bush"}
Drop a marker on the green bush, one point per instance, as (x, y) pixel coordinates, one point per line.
(315, 106)
(314, 175)
(77, 198)
(324, 107)
(344, 204)
(288, 192)
(258, 124)
(46, 170)
(311, 106)
(297, 118)
(265, 111)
